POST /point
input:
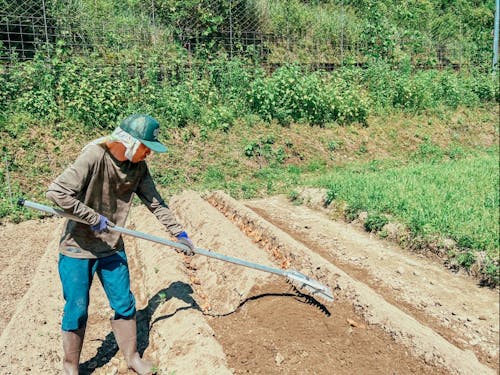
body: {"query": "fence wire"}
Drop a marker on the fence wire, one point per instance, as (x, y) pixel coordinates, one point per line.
(237, 27)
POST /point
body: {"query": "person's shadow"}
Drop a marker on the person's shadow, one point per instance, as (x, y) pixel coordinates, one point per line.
(109, 348)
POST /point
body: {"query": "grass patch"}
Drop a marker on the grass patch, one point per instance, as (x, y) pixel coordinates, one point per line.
(456, 199)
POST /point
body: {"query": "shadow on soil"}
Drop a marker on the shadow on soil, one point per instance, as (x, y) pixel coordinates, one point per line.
(109, 348)
(181, 291)
(297, 295)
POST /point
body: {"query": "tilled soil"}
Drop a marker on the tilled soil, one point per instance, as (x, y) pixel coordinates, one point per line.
(394, 312)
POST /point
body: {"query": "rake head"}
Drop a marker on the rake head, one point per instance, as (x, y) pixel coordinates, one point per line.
(310, 286)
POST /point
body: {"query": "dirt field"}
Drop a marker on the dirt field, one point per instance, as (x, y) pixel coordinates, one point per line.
(394, 312)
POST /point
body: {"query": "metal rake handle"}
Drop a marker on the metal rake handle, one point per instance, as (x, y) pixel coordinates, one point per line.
(297, 278)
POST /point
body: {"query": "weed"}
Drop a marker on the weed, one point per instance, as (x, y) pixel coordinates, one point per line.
(429, 151)
(352, 211)
(162, 296)
(466, 259)
(334, 145)
(331, 195)
(375, 222)
(363, 149)
(294, 197)
(213, 177)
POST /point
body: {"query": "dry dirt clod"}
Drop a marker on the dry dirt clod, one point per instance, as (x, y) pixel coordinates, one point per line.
(195, 280)
(353, 323)
(279, 359)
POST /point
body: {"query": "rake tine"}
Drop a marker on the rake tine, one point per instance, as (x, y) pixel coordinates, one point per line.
(313, 287)
(305, 298)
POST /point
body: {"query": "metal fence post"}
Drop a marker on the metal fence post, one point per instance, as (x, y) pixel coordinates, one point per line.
(44, 10)
(230, 29)
(495, 36)
(154, 21)
(342, 35)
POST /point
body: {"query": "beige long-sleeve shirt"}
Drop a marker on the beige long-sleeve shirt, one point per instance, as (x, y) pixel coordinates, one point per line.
(97, 183)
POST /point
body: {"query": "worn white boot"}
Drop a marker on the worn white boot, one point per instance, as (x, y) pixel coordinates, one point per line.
(125, 331)
(72, 345)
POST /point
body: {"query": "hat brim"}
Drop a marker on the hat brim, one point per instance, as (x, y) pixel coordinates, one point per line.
(155, 146)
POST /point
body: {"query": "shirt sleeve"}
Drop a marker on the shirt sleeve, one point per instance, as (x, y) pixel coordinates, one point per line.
(148, 194)
(68, 189)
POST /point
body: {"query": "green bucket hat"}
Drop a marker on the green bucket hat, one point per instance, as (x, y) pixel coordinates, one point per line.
(145, 129)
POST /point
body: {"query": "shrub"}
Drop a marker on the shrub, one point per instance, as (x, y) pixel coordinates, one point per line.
(179, 105)
(291, 94)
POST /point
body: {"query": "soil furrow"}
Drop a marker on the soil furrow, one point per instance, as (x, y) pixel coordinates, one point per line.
(451, 304)
(203, 316)
(421, 340)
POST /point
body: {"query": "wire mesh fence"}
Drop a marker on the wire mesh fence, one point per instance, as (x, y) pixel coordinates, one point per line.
(232, 27)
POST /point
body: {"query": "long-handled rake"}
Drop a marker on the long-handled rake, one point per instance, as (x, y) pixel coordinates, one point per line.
(299, 280)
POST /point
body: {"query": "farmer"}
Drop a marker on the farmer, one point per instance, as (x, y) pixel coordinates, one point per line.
(99, 188)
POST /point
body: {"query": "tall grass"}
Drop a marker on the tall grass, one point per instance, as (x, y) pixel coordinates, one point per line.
(456, 199)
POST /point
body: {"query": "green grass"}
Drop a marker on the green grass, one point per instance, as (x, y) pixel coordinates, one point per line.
(457, 199)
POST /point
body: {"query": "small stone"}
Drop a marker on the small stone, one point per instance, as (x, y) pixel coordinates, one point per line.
(400, 270)
(474, 342)
(355, 324)
(279, 359)
(428, 358)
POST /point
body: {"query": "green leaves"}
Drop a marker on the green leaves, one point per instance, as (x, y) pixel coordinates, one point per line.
(293, 95)
(375, 222)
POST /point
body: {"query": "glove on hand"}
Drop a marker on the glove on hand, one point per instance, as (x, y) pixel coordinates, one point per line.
(183, 238)
(102, 225)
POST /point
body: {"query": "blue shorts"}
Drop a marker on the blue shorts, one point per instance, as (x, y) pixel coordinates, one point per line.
(76, 277)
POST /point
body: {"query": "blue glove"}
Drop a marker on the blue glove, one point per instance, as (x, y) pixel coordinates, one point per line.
(183, 238)
(102, 225)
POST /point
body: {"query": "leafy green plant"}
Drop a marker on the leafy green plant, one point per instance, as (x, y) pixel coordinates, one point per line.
(466, 259)
(375, 222)
(265, 149)
(429, 151)
(221, 118)
(214, 177)
(294, 197)
(291, 94)
(331, 195)
(352, 211)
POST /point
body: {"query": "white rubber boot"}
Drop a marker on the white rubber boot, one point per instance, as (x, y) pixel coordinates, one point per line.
(72, 345)
(125, 331)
